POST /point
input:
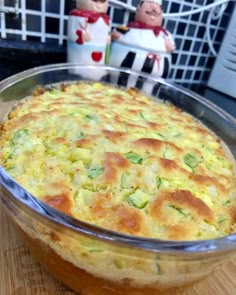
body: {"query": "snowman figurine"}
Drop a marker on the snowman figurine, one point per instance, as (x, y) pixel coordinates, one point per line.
(88, 33)
(144, 45)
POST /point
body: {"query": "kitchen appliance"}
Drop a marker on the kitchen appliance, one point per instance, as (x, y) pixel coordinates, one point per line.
(223, 75)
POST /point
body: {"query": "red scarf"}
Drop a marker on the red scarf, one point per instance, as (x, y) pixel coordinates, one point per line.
(139, 25)
(91, 15)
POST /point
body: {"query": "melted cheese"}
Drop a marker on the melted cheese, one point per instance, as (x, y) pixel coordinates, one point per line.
(120, 160)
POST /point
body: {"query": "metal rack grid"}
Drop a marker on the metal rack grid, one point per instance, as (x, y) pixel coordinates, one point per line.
(45, 21)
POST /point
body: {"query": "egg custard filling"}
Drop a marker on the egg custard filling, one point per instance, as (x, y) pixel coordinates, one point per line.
(122, 161)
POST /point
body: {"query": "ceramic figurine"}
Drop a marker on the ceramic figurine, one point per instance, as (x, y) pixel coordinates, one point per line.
(144, 45)
(88, 32)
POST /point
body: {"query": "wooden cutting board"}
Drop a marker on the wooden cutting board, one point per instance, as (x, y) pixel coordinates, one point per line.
(21, 274)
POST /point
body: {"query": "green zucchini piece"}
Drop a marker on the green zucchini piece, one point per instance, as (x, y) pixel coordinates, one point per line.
(158, 181)
(134, 158)
(19, 135)
(192, 160)
(138, 199)
(124, 181)
(95, 172)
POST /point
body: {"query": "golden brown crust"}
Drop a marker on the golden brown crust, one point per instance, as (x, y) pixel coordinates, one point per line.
(233, 215)
(202, 180)
(99, 205)
(114, 136)
(114, 163)
(128, 220)
(85, 142)
(60, 202)
(183, 199)
(178, 231)
(148, 144)
(168, 164)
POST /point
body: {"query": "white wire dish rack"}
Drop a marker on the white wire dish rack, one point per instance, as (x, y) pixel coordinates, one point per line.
(198, 36)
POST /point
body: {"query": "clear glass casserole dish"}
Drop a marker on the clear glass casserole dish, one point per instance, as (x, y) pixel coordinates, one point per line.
(93, 260)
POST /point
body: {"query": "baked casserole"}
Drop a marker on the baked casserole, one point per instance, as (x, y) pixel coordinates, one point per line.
(118, 159)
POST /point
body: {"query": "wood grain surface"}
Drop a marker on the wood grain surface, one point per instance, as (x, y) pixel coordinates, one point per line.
(21, 274)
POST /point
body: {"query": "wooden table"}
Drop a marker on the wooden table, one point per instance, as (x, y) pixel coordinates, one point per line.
(21, 274)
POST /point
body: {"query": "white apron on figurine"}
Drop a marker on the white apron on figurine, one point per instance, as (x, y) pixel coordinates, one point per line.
(144, 45)
(88, 34)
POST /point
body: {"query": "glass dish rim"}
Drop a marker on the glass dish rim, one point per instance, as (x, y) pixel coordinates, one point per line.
(226, 243)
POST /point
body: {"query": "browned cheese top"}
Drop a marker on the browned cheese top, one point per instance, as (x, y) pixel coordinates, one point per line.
(118, 159)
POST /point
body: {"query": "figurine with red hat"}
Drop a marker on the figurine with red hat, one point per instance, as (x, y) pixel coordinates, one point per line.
(144, 45)
(88, 32)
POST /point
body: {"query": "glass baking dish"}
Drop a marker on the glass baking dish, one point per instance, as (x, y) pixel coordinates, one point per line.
(93, 260)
